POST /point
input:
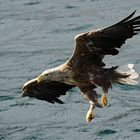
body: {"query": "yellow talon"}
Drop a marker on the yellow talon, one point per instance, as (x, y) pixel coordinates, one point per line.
(104, 100)
(89, 116)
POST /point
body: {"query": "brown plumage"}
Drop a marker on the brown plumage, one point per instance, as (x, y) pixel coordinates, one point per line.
(48, 91)
(85, 69)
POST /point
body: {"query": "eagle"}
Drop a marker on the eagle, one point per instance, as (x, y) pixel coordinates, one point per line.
(86, 70)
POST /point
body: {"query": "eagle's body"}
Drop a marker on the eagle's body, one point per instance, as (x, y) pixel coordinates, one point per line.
(85, 69)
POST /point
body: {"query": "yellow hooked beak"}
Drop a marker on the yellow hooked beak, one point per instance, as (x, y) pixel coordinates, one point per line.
(41, 78)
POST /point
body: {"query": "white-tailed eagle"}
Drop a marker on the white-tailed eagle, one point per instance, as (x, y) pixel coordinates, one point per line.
(86, 69)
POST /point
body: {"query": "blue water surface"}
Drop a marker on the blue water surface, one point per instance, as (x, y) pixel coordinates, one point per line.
(39, 34)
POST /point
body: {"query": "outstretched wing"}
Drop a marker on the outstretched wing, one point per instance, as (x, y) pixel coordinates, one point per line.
(48, 91)
(91, 47)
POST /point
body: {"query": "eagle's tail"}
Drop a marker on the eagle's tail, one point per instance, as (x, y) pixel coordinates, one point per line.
(126, 75)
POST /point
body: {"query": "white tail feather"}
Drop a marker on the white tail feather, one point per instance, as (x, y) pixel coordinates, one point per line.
(127, 70)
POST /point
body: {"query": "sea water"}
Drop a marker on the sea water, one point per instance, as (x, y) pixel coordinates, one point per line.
(39, 34)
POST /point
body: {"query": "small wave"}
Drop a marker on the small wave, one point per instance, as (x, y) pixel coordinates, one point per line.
(21, 104)
(128, 87)
(107, 132)
(32, 3)
(137, 130)
(127, 114)
(70, 7)
(9, 130)
(3, 98)
(78, 28)
(3, 109)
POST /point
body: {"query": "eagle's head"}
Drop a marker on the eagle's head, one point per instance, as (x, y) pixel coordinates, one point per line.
(49, 75)
(29, 88)
(44, 77)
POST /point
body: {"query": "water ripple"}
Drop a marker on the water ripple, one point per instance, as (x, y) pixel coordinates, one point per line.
(5, 97)
(70, 7)
(126, 114)
(32, 3)
(107, 132)
(36, 35)
(137, 130)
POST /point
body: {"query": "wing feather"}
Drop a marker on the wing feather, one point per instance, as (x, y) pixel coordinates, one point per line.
(48, 91)
(92, 46)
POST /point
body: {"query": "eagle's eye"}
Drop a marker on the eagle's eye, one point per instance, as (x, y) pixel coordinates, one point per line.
(45, 75)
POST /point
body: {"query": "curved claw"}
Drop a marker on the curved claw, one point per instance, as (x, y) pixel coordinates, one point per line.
(89, 116)
(104, 100)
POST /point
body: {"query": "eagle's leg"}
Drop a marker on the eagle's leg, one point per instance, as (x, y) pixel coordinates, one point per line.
(91, 96)
(104, 97)
(90, 113)
(105, 86)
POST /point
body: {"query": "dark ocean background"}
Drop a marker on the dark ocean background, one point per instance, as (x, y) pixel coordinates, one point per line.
(39, 34)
